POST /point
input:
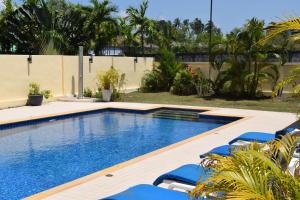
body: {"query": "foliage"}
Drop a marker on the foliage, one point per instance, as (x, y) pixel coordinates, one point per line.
(87, 92)
(100, 25)
(151, 82)
(201, 83)
(138, 20)
(59, 26)
(275, 29)
(162, 76)
(168, 69)
(98, 93)
(253, 172)
(292, 79)
(109, 79)
(34, 89)
(183, 83)
(248, 63)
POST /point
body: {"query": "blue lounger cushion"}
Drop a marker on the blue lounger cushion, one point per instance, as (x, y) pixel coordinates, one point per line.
(149, 192)
(187, 174)
(224, 150)
(260, 137)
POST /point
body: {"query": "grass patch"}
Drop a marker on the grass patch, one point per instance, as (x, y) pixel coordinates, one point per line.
(287, 104)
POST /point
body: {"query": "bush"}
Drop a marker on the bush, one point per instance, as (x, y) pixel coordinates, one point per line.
(87, 92)
(98, 93)
(201, 83)
(151, 82)
(183, 83)
(162, 77)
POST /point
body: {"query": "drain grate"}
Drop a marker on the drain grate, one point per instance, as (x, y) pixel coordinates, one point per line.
(172, 114)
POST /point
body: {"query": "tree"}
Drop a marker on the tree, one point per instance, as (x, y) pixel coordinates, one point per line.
(293, 27)
(100, 25)
(197, 26)
(138, 19)
(5, 45)
(33, 27)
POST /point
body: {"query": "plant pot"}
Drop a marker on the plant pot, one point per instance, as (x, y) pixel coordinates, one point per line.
(35, 100)
(106, 95)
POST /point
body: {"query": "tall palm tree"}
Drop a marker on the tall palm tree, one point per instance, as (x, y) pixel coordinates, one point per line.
(126, 32)
(138, 19)
(99, 19)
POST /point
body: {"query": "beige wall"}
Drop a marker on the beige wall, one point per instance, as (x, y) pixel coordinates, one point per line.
(60, 74)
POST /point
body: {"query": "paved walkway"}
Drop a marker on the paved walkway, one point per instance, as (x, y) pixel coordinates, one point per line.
(147, 169)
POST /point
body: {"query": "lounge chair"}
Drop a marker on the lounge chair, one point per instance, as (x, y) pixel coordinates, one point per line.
(262, 137)
(224, 150)
(149, 192)
(246, 138)
(184, 177)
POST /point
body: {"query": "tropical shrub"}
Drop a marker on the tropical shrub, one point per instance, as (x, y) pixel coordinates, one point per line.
(183, 83)
(87, 92)
(151, 82)
(253, 172)
(201, 84)
(109, 79)
(162, 76)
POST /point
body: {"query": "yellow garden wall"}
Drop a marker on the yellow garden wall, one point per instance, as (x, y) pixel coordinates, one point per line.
(60, 74)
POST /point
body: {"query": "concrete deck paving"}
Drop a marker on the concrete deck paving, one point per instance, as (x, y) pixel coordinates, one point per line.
(148, 168)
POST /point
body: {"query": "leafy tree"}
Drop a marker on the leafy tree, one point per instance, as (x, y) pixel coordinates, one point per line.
(100, 25)
(33, 27)
(197, 26)
(138, 19)
(6, 45)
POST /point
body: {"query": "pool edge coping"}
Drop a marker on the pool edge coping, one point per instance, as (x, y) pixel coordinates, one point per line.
(84, 179)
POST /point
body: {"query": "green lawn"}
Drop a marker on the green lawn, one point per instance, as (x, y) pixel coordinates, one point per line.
(282, 105)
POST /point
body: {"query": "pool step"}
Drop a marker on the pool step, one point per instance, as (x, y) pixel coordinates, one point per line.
(171, 114)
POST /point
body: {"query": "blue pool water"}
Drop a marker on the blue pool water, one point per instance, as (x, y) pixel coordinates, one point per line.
(38, 156)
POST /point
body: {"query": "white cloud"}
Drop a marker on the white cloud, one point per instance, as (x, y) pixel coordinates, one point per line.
(161, 17)
(2, 4)
(122, 13)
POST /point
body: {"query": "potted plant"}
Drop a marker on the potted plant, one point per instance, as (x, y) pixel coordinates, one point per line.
(108, 82)
(36, 96)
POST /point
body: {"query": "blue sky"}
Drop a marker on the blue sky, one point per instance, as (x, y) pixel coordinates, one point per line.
(227, 13)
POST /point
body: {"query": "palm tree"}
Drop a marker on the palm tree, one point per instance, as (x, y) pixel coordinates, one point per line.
(100, 25)
(138, 19)
(291, 25)
(252, 173)
(33, 27)
(126, 33)
(6, 44)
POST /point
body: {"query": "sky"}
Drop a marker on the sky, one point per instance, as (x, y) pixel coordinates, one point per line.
(227, 14)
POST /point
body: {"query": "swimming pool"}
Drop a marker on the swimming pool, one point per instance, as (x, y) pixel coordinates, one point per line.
(38, 155)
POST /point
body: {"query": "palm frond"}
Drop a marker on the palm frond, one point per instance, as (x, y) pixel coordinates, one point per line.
(277, 28)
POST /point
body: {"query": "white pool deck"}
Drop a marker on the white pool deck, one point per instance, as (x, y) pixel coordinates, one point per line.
(147, 169)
